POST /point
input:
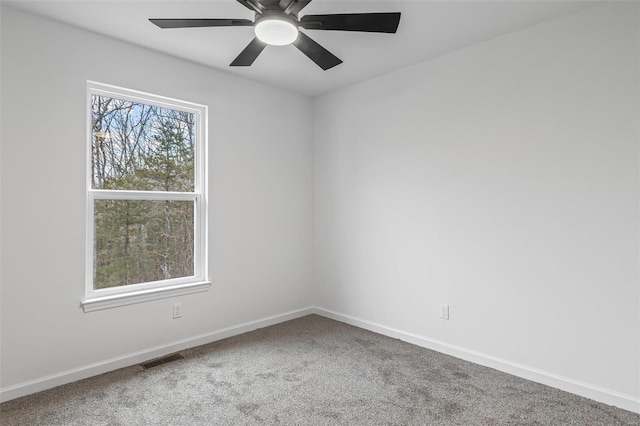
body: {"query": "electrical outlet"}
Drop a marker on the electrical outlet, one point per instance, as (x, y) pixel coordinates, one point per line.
(177, 310)
(444, 311)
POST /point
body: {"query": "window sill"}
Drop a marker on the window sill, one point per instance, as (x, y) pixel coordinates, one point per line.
(113, 301)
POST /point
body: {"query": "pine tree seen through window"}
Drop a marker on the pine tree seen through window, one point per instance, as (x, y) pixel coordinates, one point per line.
(146, 197)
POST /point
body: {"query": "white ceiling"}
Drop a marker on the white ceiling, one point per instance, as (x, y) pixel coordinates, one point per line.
(427, 29)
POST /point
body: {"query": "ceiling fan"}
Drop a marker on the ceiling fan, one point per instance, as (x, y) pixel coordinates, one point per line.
(277, 23)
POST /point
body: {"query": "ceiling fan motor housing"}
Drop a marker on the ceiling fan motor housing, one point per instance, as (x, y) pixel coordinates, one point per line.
(277, 14)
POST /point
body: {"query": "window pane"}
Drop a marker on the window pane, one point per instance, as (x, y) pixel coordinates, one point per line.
(142, 241)
(141, 147)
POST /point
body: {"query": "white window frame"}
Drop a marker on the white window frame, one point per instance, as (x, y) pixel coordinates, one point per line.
(96, 299)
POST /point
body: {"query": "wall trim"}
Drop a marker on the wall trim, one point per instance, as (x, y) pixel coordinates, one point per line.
(587, 390)
(90, 370)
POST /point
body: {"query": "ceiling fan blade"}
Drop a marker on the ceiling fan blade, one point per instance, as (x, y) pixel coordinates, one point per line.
(193, 23)
(318, 54)
(367, 22)
(253, 5)
(261, 5)
(271, 4)
(249, 54)
(293, 7)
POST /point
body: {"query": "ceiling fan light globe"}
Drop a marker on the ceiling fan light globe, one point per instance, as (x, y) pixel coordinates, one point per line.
(276, 32)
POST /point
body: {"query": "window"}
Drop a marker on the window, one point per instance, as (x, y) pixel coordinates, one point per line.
(146, 204)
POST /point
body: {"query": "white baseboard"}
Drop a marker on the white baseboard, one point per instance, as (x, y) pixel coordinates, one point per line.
(64, 377)
(597, 393)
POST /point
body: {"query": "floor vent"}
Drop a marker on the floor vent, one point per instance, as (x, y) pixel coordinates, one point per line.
(162, 360)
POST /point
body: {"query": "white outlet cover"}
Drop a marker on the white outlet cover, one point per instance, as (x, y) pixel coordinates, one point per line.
(444, 311)
(177, 310)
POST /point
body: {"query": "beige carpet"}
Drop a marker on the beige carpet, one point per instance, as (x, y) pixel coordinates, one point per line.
(310, 371)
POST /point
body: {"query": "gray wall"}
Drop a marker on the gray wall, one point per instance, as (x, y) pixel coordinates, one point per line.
(260, 199)
(501, 179)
